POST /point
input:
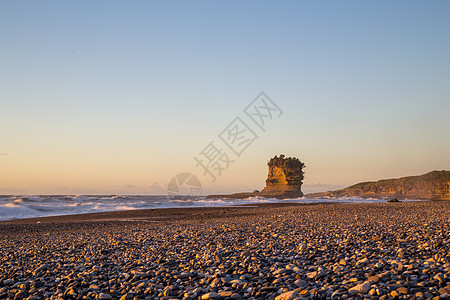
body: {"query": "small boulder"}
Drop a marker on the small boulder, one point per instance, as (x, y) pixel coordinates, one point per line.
(302, 247)
(394, 200)
(288, 295)
(300, 283)
(212, 295)
(362, 288)
(374, 279)
(280, 271)
(127, 296)
(184, 275)
(104, 296)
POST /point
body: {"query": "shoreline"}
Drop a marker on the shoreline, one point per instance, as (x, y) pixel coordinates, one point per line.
(136, 213)
(155, 213)
(162, 213)
(266, 251)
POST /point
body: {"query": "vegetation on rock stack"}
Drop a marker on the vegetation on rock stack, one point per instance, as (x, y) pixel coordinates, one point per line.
(290, 164)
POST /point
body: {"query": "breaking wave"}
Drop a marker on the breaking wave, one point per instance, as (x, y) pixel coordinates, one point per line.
(32, 206)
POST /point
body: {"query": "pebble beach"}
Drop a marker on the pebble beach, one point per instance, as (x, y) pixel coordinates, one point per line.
(278, 251)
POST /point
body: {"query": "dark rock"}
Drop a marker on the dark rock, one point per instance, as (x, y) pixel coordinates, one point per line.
(394, 200)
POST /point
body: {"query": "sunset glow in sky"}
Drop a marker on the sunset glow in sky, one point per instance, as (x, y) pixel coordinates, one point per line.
(115, 97)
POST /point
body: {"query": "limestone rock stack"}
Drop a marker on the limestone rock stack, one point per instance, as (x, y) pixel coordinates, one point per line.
(284, 179)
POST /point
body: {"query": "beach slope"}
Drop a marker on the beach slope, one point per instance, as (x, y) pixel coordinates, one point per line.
(278, 251)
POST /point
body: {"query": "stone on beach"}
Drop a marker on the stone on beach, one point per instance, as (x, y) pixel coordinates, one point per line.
(362, 288)
(288, 295)
(212, 295)
(300, 283)
(104, 296)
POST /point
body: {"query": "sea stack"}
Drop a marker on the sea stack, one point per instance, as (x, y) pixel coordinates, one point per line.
(284, 179)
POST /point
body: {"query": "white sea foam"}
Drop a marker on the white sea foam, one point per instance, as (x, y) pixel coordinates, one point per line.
(20, 207)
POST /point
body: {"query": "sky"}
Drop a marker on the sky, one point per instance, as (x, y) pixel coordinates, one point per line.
(118, 97)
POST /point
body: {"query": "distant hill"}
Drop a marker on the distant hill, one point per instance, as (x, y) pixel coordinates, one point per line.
(434, 185)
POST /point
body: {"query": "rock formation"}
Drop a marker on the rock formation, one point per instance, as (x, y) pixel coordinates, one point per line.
(430, 186)
(283, 181)
(285, 178)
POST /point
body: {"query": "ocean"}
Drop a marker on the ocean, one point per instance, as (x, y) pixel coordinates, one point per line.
(31, 206)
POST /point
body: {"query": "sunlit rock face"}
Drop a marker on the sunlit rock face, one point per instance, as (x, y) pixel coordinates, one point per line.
(430, 186)
(284, 179)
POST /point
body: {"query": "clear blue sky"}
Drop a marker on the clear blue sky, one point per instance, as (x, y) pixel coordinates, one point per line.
(119, 96)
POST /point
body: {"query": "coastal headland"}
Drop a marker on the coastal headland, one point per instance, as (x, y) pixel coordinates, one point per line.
(279, 251)
(434, 185)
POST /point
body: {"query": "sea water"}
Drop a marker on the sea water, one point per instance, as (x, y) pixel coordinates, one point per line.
(31, 206)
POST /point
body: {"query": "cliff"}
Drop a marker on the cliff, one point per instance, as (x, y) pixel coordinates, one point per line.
(430, 186)
(284, 178)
